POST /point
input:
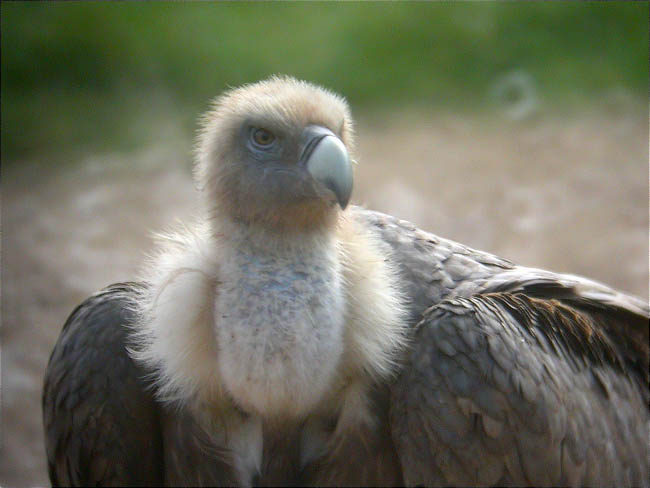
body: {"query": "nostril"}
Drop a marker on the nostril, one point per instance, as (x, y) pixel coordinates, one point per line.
(310, 137)
(309, 148)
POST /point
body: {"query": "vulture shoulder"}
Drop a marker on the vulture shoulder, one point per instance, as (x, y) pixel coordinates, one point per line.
(101, 423)
(515, 375)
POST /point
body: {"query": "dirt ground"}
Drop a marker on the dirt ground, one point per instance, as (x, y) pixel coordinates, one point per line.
(567, 194)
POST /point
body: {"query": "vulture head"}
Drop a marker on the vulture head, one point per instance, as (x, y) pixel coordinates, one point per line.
(277, 154)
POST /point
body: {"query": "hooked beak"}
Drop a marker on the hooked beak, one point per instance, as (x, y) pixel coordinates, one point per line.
(327, 160)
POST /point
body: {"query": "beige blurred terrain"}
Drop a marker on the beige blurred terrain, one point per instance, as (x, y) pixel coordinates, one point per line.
(565, 193)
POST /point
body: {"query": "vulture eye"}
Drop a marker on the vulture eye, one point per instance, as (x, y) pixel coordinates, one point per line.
(263, 138)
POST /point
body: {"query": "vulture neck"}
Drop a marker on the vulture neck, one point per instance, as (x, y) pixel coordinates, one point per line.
(260, 240)
(279, 317)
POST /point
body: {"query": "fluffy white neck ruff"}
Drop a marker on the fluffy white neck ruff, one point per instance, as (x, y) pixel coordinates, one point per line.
(279, 324)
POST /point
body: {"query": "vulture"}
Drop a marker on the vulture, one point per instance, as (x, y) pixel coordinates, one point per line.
(284, 337)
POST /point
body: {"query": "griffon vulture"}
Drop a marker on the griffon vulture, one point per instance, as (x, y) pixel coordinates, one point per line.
(288, 338)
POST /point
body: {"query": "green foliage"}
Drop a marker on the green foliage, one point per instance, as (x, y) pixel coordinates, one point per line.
(67, 67)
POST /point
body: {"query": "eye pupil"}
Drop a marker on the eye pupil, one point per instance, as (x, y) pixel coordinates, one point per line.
(263, 137)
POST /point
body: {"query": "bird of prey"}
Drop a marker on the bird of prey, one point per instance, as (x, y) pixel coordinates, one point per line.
(286, 337)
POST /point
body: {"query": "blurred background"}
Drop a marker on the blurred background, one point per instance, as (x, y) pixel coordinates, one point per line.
(519, 129)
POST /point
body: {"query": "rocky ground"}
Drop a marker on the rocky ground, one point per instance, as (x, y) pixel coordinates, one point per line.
(567, 194)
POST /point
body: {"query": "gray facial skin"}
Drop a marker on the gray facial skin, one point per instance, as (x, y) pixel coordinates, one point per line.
(313, 165)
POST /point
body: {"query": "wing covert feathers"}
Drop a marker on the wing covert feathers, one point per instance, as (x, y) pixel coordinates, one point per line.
(101, 424)
(505, 388)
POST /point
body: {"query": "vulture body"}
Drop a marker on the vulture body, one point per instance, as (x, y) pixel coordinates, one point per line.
(289, 339)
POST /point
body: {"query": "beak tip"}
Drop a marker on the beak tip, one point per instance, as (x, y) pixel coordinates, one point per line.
(329, 163)
(342, 201)
(343, 194)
